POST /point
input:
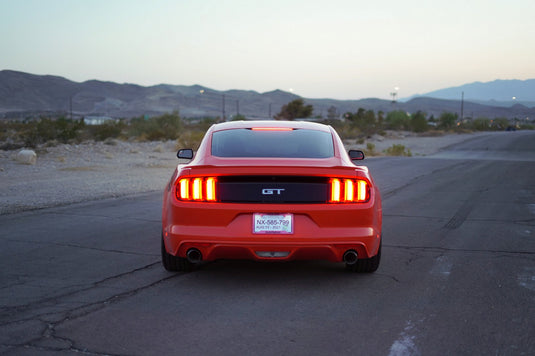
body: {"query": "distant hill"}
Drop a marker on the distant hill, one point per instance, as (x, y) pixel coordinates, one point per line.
(25, 93)
(28, 95)
(496, 93)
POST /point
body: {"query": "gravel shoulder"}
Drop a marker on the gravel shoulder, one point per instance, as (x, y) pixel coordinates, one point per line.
(67, 174)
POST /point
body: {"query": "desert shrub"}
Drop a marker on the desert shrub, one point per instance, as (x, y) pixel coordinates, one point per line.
(204, 124)
(238, 117)
(500, 123)
(398, 150)
(106, 130)
(44, 130)
(165, 127)
(480, 124)
(190, 139)
(370, 149)
(346, 130)
(10, 135)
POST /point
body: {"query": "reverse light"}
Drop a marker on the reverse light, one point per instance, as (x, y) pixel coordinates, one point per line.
(349, 191)
(196, 189)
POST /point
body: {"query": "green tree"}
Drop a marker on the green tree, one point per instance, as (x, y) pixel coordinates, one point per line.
(363, 119)
(380, 119)
(447, 120)
(398, 120)
(295, 109)
(332, 113)
(238, 117)
(419, 122)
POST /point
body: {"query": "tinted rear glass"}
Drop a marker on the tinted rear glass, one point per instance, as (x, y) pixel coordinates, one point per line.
(300, 143)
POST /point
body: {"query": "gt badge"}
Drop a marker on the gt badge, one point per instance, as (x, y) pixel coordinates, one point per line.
(268, 191)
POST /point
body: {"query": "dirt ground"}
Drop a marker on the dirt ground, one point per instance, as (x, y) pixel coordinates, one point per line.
(66, 174)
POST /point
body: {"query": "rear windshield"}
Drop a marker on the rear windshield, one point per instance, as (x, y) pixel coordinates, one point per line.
(297, 143)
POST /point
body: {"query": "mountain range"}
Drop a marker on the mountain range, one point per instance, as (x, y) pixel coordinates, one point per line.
(498, 92)
(29, 95)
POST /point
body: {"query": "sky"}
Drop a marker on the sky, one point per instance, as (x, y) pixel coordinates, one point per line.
(340, 49)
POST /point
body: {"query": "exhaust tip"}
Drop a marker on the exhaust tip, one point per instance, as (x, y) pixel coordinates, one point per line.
(194, 255)
(350, 257)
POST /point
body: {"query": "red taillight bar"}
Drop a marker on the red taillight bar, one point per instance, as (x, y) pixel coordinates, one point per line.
(272, 129)
(349, 190)
(203, 189)
(196, 189)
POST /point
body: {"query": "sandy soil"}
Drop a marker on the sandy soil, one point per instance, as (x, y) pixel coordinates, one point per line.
(67, 174)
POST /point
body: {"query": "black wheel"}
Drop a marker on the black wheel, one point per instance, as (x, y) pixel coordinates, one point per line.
(366, 265)
(175, 263)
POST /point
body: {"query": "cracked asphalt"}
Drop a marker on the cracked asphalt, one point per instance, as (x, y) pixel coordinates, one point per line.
(457, 274)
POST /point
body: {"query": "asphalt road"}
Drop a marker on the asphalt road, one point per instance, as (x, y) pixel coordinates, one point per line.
(457, 275)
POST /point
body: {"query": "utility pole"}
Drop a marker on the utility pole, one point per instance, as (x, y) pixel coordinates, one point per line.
(223, 109)
(462, 106)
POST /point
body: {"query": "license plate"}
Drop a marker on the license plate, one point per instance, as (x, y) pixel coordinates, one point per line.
(273, 223)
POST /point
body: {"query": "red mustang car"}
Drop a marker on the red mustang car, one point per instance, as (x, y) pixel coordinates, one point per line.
(271, 191)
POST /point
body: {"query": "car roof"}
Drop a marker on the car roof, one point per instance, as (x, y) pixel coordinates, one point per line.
(271, 123)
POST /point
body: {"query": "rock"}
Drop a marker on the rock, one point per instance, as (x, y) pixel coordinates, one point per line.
(26, 157)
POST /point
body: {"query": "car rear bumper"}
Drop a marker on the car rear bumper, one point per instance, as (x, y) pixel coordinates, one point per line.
(237, 241)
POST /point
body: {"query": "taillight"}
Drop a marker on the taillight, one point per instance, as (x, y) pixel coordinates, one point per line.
(349, 191)
(196, 189)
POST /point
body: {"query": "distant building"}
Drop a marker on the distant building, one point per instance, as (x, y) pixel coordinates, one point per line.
(98, 120)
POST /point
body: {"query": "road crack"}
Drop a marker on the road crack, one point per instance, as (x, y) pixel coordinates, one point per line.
(48, 340)
(417, 179)
(461, 250)
(55, 299)
(62, 244)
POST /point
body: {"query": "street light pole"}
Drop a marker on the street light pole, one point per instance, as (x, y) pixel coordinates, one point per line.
(394, 95)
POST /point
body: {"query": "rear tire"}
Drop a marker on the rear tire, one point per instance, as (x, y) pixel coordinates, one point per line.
(366, 265)
(175, 263)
